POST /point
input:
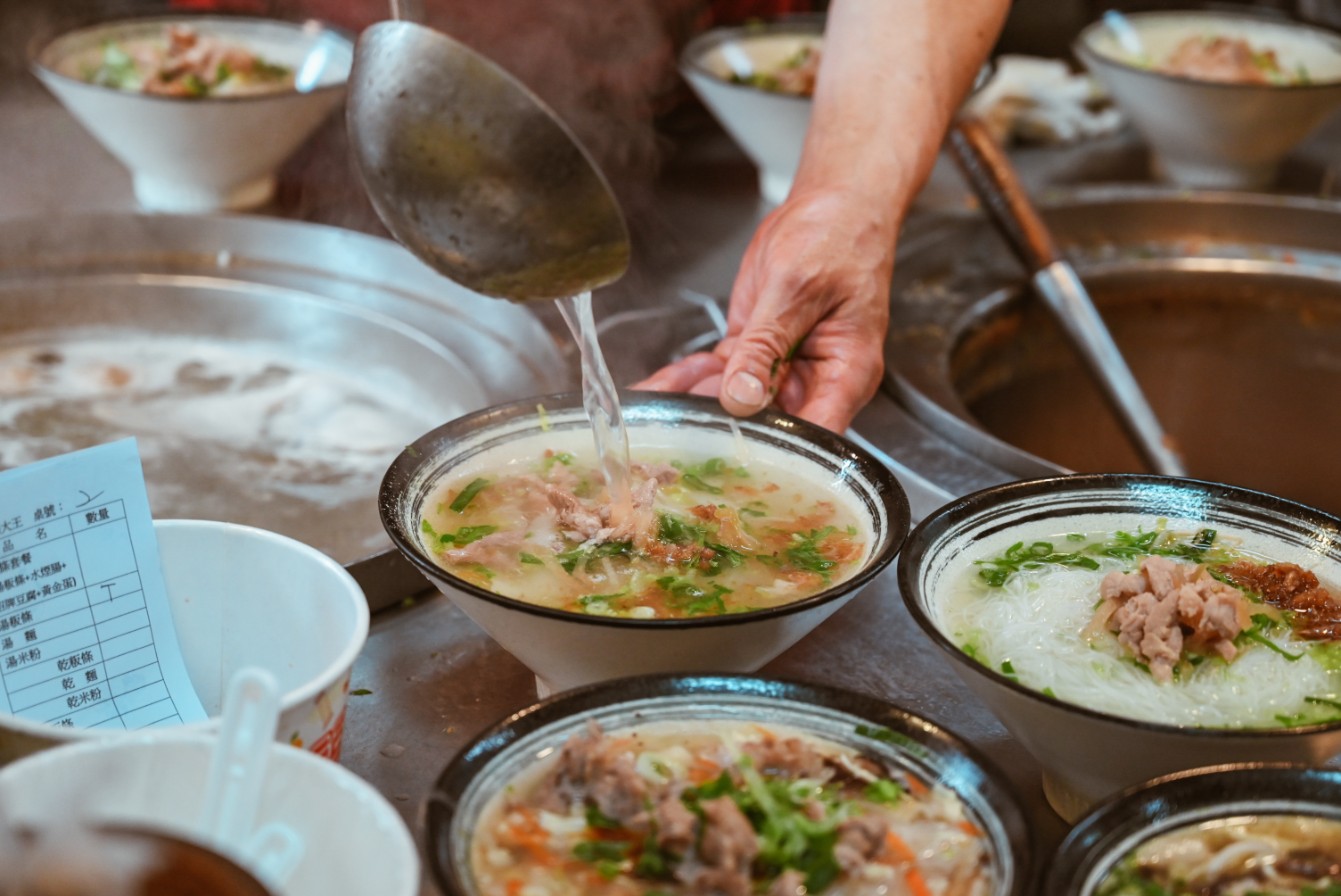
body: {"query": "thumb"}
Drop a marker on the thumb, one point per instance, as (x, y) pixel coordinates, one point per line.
(758, 363)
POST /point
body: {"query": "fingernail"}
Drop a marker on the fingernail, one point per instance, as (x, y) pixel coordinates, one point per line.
(745, 388)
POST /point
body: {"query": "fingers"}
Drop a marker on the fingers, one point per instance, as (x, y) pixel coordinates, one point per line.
(758, 359)
(834, 409)
(841, 390)
(685, 375)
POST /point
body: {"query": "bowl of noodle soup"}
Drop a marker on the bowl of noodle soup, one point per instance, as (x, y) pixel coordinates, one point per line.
(722, 783)
(757, 80)
(1127, 626)
(1221, 97)
(1256, 828)
(739, 536)
(201, 110)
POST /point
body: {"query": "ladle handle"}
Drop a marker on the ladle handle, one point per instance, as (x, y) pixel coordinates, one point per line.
(993, 179)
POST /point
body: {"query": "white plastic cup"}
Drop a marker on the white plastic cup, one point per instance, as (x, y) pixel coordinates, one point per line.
(242, 596)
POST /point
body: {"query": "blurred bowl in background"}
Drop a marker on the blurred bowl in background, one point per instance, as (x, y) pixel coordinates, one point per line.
(733, 71)
(242, 596)
(1008, 581)
(1206, 131)
(1233, 828)
(954, 821)
(205, 149)
(757, 81)
(571, 647)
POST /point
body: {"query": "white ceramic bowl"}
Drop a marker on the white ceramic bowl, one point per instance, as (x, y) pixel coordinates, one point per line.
(1209, 797)
(1088, 752)
(354, 843)
(897, 738)
(212, 153)
(1210, 134)
(242, 596)
(770, 127)
(568, 649)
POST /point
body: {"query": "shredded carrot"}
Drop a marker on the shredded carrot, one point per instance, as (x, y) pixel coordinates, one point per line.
(703, 769)
(917, 788)
(905, 856)
(895, 846)
(916, 883)
(526, 832)
(970, 828)
(513, 886)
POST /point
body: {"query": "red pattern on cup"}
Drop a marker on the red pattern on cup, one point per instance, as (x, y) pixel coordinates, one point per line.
(332, 739)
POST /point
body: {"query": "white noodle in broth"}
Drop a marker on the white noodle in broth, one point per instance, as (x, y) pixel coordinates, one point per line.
(1266, 855)
(1034, 620)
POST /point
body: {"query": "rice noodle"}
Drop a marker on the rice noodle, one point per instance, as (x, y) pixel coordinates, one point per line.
(1040, 622)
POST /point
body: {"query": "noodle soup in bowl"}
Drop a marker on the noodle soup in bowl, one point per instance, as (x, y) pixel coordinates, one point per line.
(1250, 828)
(1126, 626)
(722, 784)
(741, 535)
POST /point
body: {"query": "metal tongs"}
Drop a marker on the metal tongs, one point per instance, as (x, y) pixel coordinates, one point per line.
(997, 186)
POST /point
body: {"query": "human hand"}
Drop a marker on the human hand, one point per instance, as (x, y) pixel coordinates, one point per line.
(808, 313)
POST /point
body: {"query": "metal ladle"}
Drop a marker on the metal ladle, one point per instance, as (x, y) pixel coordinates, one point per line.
(474, 174)
(993, 179)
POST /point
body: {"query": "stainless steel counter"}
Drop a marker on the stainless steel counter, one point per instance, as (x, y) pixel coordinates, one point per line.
(434, 680)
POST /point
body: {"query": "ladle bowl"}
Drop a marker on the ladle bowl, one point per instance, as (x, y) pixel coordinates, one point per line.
(474, 174)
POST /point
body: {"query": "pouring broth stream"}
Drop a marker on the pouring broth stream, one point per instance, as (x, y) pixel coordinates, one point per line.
(701, 524)
(600, 398)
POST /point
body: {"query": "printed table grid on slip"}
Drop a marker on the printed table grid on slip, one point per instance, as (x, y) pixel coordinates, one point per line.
(76, 645)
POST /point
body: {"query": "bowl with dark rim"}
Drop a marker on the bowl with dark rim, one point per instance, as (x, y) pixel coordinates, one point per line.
(1269, 828)
(1035, 644)
(567, 648)
(649, 710)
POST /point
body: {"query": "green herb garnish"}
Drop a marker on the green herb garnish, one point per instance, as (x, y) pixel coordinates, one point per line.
(462, 500)
(805, 552)
(693, 599)
(570, 560)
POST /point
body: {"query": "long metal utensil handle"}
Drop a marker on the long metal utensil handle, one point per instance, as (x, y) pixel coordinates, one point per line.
(993, 179)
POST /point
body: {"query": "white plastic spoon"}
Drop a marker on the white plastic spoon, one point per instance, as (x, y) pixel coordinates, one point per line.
(237, 776)
(1125, 33)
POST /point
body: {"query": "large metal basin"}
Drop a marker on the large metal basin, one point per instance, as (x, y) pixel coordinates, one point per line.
(270, 370)
(1228, 309)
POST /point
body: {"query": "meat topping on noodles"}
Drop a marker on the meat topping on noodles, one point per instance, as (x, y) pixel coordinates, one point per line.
(187, 63)
(1166, 608)
(1228, 59)
(725, 808)
(796, 75)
